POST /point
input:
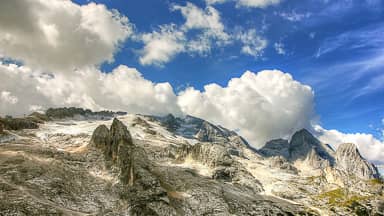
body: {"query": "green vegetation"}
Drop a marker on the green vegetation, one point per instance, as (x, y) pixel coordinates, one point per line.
(342, 198)
(334, 197)
(375, 182)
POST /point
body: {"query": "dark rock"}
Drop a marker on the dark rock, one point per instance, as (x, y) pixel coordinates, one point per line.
(10, 123)
(303, 144)
(277, 147)
(170, 122)
(71, 112)
(1, 128)
(119, 136)
(100, 137)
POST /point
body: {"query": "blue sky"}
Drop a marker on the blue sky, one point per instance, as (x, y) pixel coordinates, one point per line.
(336, 47)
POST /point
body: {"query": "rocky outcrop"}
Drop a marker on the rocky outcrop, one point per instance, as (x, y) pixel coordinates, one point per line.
(10, 123)
(1, 128)
(139, 185)
(206, 153)
(350, 161)
(211, 133)
(100, 138)
(304, 145)
(282, 163)
(170, 122)
(276, 147)
(218, 158)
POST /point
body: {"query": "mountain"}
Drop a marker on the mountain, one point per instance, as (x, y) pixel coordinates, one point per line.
(167, 165)
(350, 161)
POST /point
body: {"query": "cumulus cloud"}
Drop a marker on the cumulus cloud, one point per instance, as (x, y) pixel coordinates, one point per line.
(369, 146)
(247, 3)
(208, 32)
(161, 46)
(60, 35)
(123, 88)
(253, 44)
(261, 106)
(207, 20)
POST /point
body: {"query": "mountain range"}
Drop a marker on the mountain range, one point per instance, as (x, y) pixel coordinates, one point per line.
(71, 162)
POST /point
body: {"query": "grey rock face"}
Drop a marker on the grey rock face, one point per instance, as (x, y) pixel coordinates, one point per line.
(277, 147)
(282, 163)
(207, 153)
(100, 137)
(349, 160)
(304, 144)
(152, 189)
(210, 133)
(192, 127)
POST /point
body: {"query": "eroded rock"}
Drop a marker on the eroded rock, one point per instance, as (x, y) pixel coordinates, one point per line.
(350, 161)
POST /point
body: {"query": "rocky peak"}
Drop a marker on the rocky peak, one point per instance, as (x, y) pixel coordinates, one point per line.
(170, 122)
(304, 144)
(119, 136)
(117, 146)
(349, 160)
(210, 133)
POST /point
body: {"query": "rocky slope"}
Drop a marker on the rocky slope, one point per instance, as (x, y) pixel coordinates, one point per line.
(147, 165)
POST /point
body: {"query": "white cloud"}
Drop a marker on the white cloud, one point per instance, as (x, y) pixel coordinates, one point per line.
(211, 2)
(253, 44)
(122, 89)
(208, 20)
(294, 16)
(247, 3)
(369, 146)
(262, 106)
(257, 3)
(161, 46)
(60, 35)
(7, 98)
(279, 47)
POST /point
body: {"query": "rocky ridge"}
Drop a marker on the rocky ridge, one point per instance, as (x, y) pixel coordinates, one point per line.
(148, 165)
(350, 161)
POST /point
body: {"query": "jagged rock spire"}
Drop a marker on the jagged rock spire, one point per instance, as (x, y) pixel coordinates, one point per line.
(349, 160)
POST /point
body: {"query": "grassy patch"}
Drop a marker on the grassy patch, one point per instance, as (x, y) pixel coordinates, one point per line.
(376, 181)
(340, 197)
